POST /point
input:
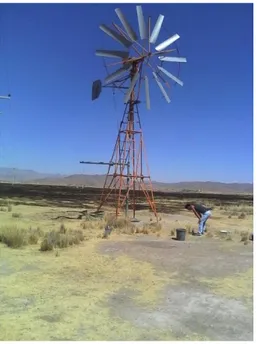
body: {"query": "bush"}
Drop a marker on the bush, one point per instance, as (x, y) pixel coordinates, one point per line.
(16, 215)
(78, 234)
(14, 237)
(244, 236)
(46, 245)
(3, 209)
(55, 239)
(9, 208)
(34, 235)
(62, 229)
(242, 216)
(117, 223)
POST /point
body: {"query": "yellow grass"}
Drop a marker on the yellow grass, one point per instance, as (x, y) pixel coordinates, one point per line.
(72, 290)
(236, 286)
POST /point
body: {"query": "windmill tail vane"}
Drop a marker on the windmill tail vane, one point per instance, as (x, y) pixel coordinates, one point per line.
(141, 61)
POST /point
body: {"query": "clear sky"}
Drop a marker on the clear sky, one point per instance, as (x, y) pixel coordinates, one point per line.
(47, 63)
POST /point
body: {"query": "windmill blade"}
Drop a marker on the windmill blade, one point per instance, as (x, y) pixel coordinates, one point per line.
(168, 42)
(141, 23)
(147, 94)
(5, 97)
(122, 40)
(131, 87)
(130, 32)
(112, 53)
(161, 87)
(96, 89)
(172, 59)
(171, 76)
(156, 29)
(116, 74)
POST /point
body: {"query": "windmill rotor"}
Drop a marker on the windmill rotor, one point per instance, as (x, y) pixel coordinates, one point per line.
(142, 48)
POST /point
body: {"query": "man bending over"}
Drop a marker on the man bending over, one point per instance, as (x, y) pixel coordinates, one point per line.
(202, 213)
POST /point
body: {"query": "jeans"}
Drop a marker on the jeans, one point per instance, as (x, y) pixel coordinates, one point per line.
(202, 223)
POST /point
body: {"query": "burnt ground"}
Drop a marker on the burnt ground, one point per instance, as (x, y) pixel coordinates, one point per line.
(76, 197)
(209, 298)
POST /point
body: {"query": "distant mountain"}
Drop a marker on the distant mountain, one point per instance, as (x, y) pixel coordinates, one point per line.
(14, 174)
(29, 176)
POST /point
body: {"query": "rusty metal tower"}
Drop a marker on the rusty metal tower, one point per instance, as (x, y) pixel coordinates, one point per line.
(128, 173)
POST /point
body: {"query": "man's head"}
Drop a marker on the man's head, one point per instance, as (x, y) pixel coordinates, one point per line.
(188, 206)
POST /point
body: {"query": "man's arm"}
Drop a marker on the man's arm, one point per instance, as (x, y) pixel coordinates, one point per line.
(195, 212)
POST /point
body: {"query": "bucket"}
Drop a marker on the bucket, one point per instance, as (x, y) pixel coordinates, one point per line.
(181, 234)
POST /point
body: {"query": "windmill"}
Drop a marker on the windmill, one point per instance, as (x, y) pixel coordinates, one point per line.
(141, 62)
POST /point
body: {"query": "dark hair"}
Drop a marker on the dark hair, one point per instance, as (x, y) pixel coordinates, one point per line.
(188, 205)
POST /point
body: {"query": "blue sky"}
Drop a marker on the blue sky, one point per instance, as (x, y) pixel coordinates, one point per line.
(47, 63)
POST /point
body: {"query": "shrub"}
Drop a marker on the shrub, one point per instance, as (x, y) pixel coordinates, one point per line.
(33, 235)
(62, 229)
(9, 208)
(63, 241)
(189, 228)
(120, 224)
(13, 237)
(16, 215)
(115, 223)
(242, 216)
(155, 227)
(244, 236)
(55, 239)
(46, 245)
(3, 209)
(78, 234)
(172, 232)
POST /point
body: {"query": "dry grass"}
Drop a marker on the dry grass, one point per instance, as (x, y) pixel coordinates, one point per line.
(68, 298)
(70, 295)
(237, 210)
(245, 235)
(236, 286)
(16, 215)
(13, 237)
(61, 239)
(16, 237)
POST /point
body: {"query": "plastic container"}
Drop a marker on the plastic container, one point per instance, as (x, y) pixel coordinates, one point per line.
(181, 234)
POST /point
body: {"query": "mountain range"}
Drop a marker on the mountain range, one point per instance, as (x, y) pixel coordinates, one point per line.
(33, 177)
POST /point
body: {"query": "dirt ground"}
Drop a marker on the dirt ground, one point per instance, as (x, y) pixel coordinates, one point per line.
(128, 287)
(207, 295)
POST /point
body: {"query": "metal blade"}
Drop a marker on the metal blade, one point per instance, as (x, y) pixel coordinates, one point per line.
(96, 89)
(141, 23)
(112, 53)
(156, 29)
(131, 87)
(161, 87)
(147, 94)
(122, 40)
(131, 33)
(116, 74)
(5, 97)
(168, 42)
(172, 59)
(173, 77)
